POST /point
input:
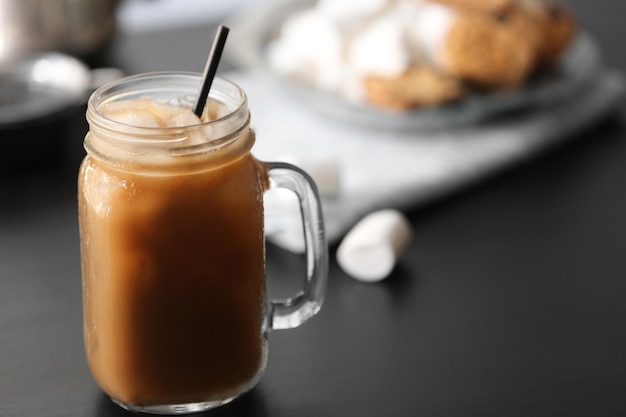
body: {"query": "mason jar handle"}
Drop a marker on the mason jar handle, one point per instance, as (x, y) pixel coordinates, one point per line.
(292, 312)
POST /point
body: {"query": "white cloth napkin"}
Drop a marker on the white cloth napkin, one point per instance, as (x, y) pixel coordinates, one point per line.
(381, 169)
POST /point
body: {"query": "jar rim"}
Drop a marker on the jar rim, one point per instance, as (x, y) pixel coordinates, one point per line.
(224, 135)
(99, 96)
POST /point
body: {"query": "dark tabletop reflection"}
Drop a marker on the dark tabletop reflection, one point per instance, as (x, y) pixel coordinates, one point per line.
(251, 404)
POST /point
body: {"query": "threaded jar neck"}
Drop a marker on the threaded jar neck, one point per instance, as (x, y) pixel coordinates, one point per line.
(121, 143)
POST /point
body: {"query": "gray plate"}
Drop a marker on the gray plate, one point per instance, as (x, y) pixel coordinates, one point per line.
(42, 86)
(253, 31)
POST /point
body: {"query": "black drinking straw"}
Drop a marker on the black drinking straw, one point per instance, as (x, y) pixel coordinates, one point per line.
(210, 69)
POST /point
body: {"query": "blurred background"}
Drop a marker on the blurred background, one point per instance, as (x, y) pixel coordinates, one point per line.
(509, 301)
(134, 36)
(22, 22)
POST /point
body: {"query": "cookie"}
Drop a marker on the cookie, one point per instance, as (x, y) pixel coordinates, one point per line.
(556, 26)
(481, 6)
(493, 51)
(419, 86)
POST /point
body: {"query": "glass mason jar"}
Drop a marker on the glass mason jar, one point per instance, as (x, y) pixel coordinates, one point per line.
(173, 250)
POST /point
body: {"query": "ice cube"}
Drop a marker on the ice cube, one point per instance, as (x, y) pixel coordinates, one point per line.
(184, 117)
(213, 110)
(132, 112)
(196, 137)
(163, 110)
(151, 113)
(139, 112)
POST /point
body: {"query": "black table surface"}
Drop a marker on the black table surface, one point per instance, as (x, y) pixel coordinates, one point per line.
(510, 300)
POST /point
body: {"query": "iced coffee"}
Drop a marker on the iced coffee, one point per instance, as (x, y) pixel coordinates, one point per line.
(172, 246)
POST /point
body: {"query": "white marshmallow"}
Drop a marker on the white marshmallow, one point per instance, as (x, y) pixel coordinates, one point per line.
(379, 49)
(310, 46)
(335, 44)
(430, 28)
(370, 250)
(351, 12)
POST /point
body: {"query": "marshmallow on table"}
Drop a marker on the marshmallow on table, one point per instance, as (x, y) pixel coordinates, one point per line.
(370, 250)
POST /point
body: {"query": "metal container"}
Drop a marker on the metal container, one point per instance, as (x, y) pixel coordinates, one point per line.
(77, 27)
(42, 96)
